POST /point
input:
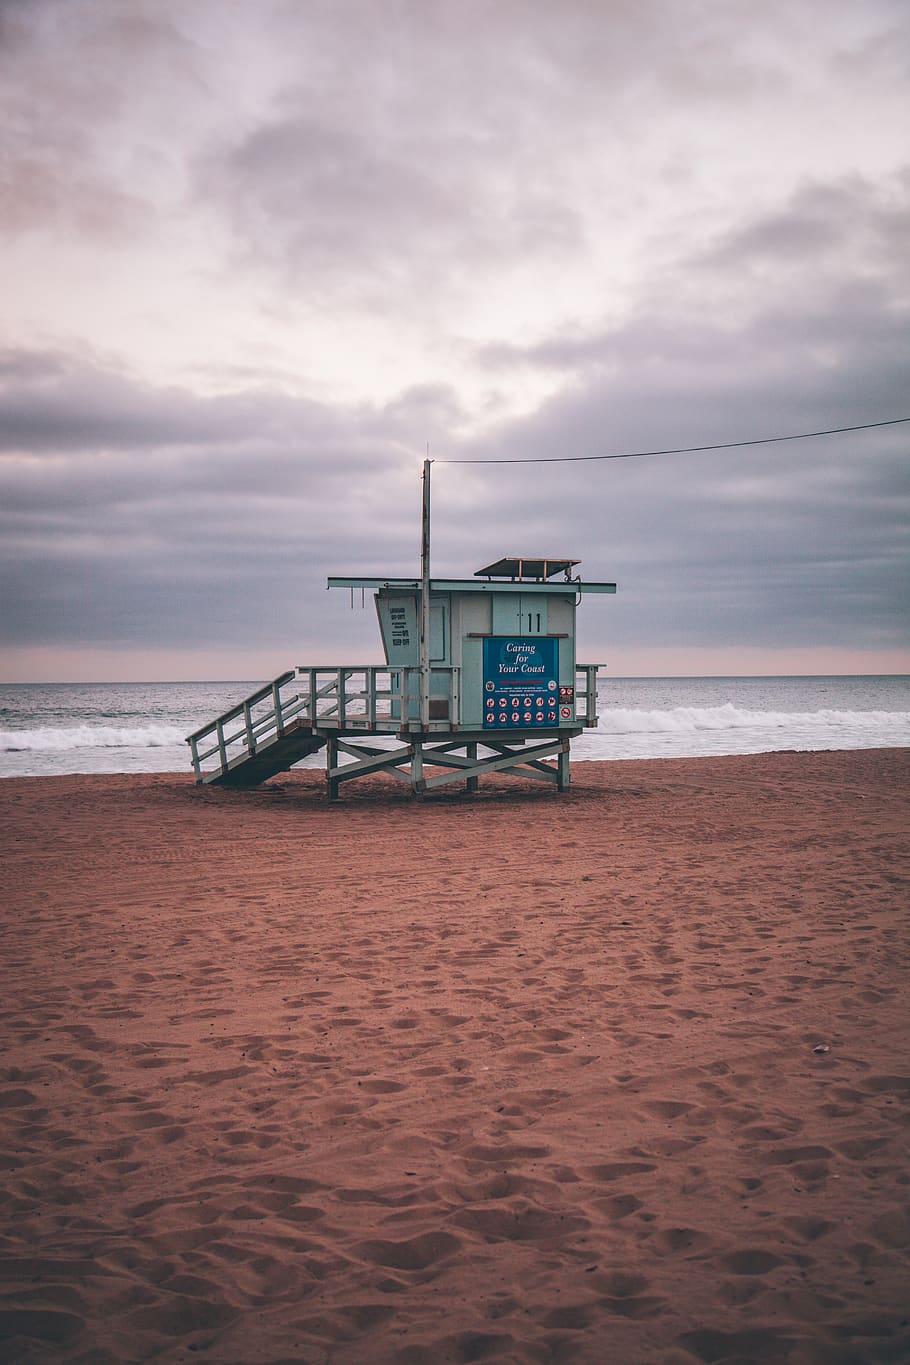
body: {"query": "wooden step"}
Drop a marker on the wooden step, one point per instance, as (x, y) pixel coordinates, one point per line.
(272, 756)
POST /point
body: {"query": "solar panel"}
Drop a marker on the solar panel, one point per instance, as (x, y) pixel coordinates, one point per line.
(527, 566)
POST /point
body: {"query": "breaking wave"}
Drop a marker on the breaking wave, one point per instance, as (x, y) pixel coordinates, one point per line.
(690, 731)
(684, 719)
(52, 739)
(123, 728)
(680, 721)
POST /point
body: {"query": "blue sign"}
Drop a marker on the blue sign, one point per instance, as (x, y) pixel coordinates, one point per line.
(520, 683)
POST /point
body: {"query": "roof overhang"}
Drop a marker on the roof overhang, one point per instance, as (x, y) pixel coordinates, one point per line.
(472, 585)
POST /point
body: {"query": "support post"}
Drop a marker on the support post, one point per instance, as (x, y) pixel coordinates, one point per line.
(425, 603)
(417, 769)
(222, 748)
(331, 763)
(562, 778)
(313, 696)
(471, 783)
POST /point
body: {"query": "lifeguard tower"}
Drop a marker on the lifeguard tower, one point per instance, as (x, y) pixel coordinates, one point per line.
(480, 676)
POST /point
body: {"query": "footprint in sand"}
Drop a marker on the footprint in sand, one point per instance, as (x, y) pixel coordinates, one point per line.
(625, 1294)
(754, 1345)
(751, 1261)
(680, 1241)
(618, 1206)
(617, 1170)
(892, 1229)
(413, 1254)
(514, 1223)
(808, 1229)
(668, 1109)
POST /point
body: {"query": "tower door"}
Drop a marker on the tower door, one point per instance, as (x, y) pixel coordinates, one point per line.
(519, 614)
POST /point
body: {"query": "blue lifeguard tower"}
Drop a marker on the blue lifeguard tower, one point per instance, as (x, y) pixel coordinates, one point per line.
(480, 676)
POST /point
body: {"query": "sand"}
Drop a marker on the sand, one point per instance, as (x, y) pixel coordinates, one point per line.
(615, 1076)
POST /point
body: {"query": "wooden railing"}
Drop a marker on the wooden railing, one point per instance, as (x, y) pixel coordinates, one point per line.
(347, 699)
(586, 714)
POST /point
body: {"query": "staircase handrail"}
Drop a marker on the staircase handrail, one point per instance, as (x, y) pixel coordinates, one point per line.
(237, 710)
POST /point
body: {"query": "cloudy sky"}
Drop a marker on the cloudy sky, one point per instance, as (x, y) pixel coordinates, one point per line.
(260, 256)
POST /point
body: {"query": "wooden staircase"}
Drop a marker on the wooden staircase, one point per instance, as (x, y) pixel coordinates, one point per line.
(274, 755)
(298, 714)
(261, 736)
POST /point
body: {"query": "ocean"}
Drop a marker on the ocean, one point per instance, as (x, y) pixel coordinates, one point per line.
(51, 728)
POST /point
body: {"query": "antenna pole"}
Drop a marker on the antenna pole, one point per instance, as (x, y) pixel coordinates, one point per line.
(425, 602)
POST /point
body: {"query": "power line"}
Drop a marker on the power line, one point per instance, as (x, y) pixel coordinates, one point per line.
(682, 450)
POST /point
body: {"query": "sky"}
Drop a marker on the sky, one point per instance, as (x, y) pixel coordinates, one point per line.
(260, 258)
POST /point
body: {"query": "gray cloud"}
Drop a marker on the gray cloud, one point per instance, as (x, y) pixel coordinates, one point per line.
(203, 527)
(451, 139)
(338, 211)
(834, 259)
(374, 164)
(136, 515)
(826, 221)
(77, 81)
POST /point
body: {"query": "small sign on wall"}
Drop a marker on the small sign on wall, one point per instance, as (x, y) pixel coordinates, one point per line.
(400, 628)
(520, 683)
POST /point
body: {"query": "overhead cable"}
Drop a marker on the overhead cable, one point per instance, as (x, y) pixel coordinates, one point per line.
(679, 450)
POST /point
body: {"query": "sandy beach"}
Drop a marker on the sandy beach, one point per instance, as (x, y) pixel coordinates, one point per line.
(616, 1076)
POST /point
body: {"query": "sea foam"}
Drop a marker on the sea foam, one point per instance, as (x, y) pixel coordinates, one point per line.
(680, 719)
(64, 739)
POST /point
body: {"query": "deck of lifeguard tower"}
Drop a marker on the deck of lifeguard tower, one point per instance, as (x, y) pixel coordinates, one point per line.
(450, 721)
